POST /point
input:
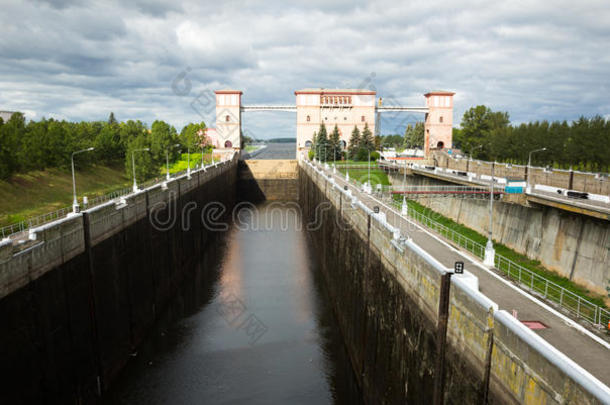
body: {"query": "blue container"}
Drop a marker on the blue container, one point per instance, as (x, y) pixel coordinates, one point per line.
(513, 190)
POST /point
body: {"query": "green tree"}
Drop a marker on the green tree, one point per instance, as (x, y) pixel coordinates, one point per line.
(10, 135)
(189, 136)
(322, 145)
(354, 143)
(478, 123)
(366, 140)
(107, 144)
(146, 167)
(414, 136)
(162, 137)
(128, 131)
(335, 144)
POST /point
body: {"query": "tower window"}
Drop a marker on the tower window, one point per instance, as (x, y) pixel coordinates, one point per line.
(308, 118)
(440, 119)
(227, 118)
(326, 118)
(344, 118)
(362, 119)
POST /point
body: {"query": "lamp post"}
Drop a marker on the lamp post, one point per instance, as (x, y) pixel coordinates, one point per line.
(490, 252)
(403, 208)
(325, 157)
(529, 166)
(188, 160)
(133, 166)
(167, 159)
(470, 156)
(369, 188)
(75, 206)
(369, 168)
(202, 155)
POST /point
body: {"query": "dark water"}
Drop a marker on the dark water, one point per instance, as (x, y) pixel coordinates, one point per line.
(265, 334)
(277, 151)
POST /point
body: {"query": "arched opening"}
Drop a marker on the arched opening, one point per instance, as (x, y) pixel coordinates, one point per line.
(228, 144)
(308, 144)
(227, 118)
(440, 145)
(308, 118)
(440, 119)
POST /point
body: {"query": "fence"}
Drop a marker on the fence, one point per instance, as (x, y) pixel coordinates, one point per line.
(541, 286)
(572, 303)
(10, 230)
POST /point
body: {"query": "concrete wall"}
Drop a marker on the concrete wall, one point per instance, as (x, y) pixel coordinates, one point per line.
(575, 246)
(386, 294)
(77, 303)
(572, 180)
(271, 180)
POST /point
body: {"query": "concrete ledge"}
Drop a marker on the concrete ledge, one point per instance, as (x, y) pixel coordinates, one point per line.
(523, 367)
(59, 241)
(536, 372)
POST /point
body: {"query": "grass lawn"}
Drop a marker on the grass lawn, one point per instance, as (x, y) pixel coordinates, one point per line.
(508, 253)
(355, 162)
(39, 192)
(377, 176)
(182, 164)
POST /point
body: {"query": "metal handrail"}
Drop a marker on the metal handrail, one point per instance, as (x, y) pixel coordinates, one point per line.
(22, 226)
(573, 303)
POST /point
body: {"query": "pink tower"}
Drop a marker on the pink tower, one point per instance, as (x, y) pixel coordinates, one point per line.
(439, 120)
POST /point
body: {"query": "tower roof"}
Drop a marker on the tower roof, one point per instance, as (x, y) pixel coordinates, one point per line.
(439, 93)
(321, 90)
(228, 91)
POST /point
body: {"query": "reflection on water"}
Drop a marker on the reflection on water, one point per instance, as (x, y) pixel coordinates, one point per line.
(265, 333)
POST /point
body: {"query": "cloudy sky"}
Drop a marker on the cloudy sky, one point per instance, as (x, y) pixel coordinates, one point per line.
(81, 59)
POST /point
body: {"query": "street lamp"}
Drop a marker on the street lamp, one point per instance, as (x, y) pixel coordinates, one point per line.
(403, 208)
(369, 167)
(188, 160)
(490, 252)
(133, 166)
(325, 158)
(470, 156)
(167, 158)
(529, 166)
(75, 206)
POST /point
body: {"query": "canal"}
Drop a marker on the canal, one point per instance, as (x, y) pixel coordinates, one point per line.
(261, 330)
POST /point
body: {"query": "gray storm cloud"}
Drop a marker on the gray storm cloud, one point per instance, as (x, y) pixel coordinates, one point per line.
(80, 60)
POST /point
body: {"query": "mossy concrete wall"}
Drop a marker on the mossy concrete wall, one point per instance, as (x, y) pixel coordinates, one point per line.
(572, 180)
(385, 293)
(575, 246)
(271, 180)
(76, 304)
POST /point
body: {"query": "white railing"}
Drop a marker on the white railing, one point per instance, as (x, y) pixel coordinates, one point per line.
(21, 226)
(525, 278)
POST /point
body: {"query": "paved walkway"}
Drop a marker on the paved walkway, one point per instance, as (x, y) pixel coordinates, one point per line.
(581, 348)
